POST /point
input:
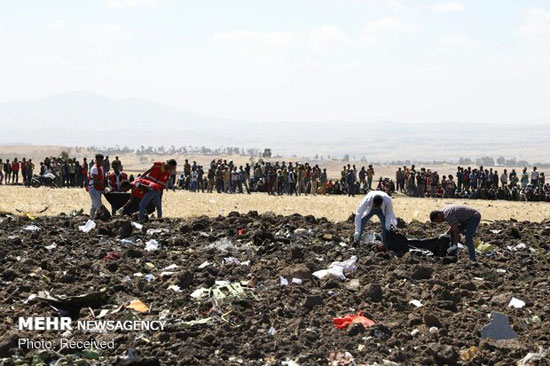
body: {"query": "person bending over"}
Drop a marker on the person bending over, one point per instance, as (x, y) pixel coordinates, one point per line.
(375, 203)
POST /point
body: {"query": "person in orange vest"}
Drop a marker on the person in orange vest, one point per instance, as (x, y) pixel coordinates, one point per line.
(116, 177)
(96, 184)
(156, 178)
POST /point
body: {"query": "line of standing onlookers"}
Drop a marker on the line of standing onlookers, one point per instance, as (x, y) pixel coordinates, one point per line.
(10, 171)
(68, 172)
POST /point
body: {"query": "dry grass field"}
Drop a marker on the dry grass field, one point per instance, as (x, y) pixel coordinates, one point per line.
(336, 208)
(186, 204)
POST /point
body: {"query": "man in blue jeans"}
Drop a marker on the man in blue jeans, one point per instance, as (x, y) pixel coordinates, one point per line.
(461, 219)
(375, 203)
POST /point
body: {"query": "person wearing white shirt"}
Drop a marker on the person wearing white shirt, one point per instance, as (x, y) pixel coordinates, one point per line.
(534, 176)
(375, 203)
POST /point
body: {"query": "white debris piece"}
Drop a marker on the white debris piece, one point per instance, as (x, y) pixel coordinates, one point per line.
(234, 260)
(297, 281)
(30, 228)
(87, 227)
(290, 363)
(416, 303)
(174, 288)
(157, 231)
(171, 267)
(516, 247)
(151, 245)
(198, 293)
(30, 298)
(166, 273)
(283, 281)
(137, 225)
(228, 260)
(533, 358)
(337, 269)
(51, 246)
(204, 264)
(516, 303)
(223, 245)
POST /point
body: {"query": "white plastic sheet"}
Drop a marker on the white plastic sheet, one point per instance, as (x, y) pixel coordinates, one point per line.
(337, 269)
(87, 227)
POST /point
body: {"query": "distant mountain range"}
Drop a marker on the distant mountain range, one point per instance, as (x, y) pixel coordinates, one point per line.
(84, 118)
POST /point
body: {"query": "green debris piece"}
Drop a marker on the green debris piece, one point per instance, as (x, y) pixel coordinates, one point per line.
(484, 247)
(217, 295)
(40, 358)
(236, 289)
(226, 293)
(90, 354)
(128, 315)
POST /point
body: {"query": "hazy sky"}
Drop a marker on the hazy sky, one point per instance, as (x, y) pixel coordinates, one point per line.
(368, 60)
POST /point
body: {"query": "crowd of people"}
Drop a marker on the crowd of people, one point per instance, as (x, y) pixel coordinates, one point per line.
(477, 183)
(285, 178)
(297, 178)
(64, 172)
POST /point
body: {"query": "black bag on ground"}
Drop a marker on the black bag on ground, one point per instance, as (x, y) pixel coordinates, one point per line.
(400, 244)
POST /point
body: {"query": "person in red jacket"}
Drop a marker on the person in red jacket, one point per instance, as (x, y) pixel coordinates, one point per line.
(23, 166)
(138, 189)
(115, 178)
(96, 184)
(15, 171)
(156, 179)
